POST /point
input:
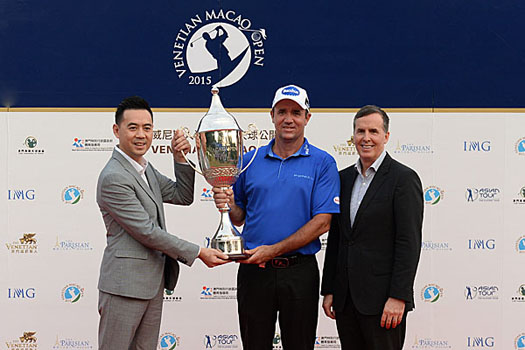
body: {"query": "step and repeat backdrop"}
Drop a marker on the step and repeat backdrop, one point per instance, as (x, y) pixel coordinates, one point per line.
(470, 286)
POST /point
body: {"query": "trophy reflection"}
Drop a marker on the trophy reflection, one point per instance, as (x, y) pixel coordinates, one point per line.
(219, 143)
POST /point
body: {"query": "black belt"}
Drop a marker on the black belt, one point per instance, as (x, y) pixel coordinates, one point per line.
(282, 262)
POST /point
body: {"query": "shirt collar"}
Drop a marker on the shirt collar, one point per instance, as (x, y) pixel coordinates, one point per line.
(140, 168)
(375, 165)
(303, 151)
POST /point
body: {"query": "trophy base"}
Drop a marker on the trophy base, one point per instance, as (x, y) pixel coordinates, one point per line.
(238, 256)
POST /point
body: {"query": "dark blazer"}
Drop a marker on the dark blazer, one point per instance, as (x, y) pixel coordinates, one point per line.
(377, 258)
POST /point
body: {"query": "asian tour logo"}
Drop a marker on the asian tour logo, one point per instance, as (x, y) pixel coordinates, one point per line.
(168, 341)
(519, 341)
(520, 245)
(72, 194)
(483, 194)
(221, 341)
(431, 293)
(520, 146)
(481, 292)
(217, 48)
(433, 195)
(72, 293)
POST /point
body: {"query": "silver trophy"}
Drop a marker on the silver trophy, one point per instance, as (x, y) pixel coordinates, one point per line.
(219, 143)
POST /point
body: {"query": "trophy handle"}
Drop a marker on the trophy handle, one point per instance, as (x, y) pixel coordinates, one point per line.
(186, 132)
(253, 128)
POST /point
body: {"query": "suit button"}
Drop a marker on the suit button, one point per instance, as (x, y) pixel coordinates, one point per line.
(351, 242)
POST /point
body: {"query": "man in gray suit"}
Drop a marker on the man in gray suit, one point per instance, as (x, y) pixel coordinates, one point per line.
(141, 257)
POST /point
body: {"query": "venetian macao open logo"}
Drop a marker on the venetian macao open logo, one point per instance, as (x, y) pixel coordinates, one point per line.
(72, 293)
(168, 341)
(431, 293)
(72, 194)
(433, 195)
(217, 47)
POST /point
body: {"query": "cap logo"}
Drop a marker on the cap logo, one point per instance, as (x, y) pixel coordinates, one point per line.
(291, 91)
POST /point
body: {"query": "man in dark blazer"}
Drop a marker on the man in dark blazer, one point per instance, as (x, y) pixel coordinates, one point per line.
(374, 243)
(141, 257)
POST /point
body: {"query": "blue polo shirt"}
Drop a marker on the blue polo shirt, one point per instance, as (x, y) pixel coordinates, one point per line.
(280, 196)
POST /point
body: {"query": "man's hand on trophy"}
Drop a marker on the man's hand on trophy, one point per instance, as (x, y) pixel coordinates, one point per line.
(180, 144)
(213, 257)
(223, 198)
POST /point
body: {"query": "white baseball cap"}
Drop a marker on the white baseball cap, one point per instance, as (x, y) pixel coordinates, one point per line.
(294, 93)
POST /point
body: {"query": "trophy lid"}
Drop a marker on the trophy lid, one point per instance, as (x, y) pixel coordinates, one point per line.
(217, 117)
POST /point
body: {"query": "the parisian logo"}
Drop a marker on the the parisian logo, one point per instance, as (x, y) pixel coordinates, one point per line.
(92, 144)
(169, 297)
(26, 244)
(436, 246)
(520, 294)
(481, 292)
(215, 293)
(206, 194)
(221, 341)
(431, 293)
(476, 146)
(483, 194)
(70, 245)
(327, 342)
(520, 146)
(433, 195)
(411, 148)
(480, 342)
(71, 343)
(21, 195)
(168, 341)
(72, 194)
(217, 47)
(521, 197)
(481, 244)
(28, 340)
(430, 343)
(520, 245)
(346, 149)
(277, 342)
(21, 293)
(30, 144)
(72, 293)
(519, 341)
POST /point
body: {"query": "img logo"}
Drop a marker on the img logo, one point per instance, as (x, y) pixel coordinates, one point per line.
(431, 293)
(519, 341)
(21, 195)
(21, 293)
(520, 245)
(481, 244)
(433, 195)
(218, 48)
(480, 342)
(476, 146)
(168, 341)
(207, 194)
(72, 293)
(520, 146)
(72, 194)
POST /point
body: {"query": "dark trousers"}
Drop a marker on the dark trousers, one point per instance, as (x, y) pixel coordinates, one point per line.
(364, 332)
(290, 293)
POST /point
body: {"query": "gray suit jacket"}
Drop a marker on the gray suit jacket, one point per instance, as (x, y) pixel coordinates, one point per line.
(139, 249)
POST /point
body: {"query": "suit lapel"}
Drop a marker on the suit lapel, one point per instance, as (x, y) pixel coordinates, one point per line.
(375, 185)
(129, 168)
(154, 184)
(346, 195)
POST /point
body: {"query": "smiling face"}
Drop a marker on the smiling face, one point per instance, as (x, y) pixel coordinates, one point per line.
(289, 120)
(370, 138)
(135, 133)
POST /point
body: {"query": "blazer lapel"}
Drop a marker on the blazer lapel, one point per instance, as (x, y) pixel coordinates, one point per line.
(379, 179)
(346, 195)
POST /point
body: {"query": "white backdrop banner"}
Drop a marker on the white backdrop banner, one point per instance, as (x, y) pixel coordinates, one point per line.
(470, 286)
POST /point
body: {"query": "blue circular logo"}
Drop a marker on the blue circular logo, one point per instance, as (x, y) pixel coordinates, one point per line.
(168, 342)
(431, 294)
(521, 245)
(290, 91)
(521, 146)
(72, 294)
(72, 195)
(520, 342)
(432, 196)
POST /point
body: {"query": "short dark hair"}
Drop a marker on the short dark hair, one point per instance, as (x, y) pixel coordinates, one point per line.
(371, 109)
(133, 102)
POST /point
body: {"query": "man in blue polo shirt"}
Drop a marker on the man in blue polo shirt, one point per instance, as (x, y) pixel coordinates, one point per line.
(285, 199)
